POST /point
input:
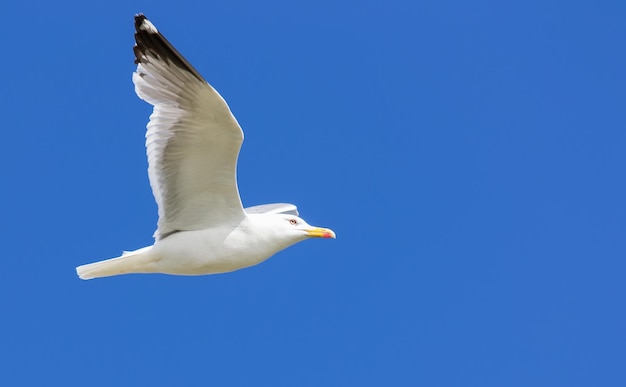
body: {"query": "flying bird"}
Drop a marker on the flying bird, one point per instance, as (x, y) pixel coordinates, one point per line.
(193, 142)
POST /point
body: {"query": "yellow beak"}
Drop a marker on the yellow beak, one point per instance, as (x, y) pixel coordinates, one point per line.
(319, 232)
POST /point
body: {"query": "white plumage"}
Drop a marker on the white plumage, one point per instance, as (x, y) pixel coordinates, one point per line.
(193, 142)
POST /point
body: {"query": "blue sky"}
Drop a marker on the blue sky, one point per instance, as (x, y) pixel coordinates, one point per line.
(469, 155)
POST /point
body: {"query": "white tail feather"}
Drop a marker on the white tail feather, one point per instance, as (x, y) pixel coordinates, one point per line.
(129, 262)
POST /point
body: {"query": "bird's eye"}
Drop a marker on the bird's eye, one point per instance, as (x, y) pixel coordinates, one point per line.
(293, 221)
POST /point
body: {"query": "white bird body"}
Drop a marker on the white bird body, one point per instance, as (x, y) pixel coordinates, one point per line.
(209, 251)
(220, 250)
(193, 141)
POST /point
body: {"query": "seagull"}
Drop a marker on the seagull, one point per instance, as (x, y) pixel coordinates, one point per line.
(193, 142)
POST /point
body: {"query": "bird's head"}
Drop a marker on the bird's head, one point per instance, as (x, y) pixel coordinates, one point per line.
(289, 229)
(297, 225)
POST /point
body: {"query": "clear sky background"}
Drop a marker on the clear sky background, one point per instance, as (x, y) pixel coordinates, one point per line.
(469, 155)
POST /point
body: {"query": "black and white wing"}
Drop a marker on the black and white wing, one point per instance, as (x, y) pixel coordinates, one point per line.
(192, 141)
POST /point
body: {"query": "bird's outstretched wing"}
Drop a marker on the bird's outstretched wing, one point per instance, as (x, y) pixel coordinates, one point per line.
(192, 141)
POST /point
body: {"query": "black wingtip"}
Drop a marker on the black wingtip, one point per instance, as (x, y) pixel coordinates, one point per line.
(139, 18)
(139, 49)
(149, 42)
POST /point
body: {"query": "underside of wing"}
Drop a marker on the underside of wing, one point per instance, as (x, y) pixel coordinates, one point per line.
(192, 141)
(274, 208)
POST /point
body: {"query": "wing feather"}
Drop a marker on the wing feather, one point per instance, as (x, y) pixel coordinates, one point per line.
(274, 208)
(192, 141)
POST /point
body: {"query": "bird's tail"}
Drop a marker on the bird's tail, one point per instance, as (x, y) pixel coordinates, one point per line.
(129, 262)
